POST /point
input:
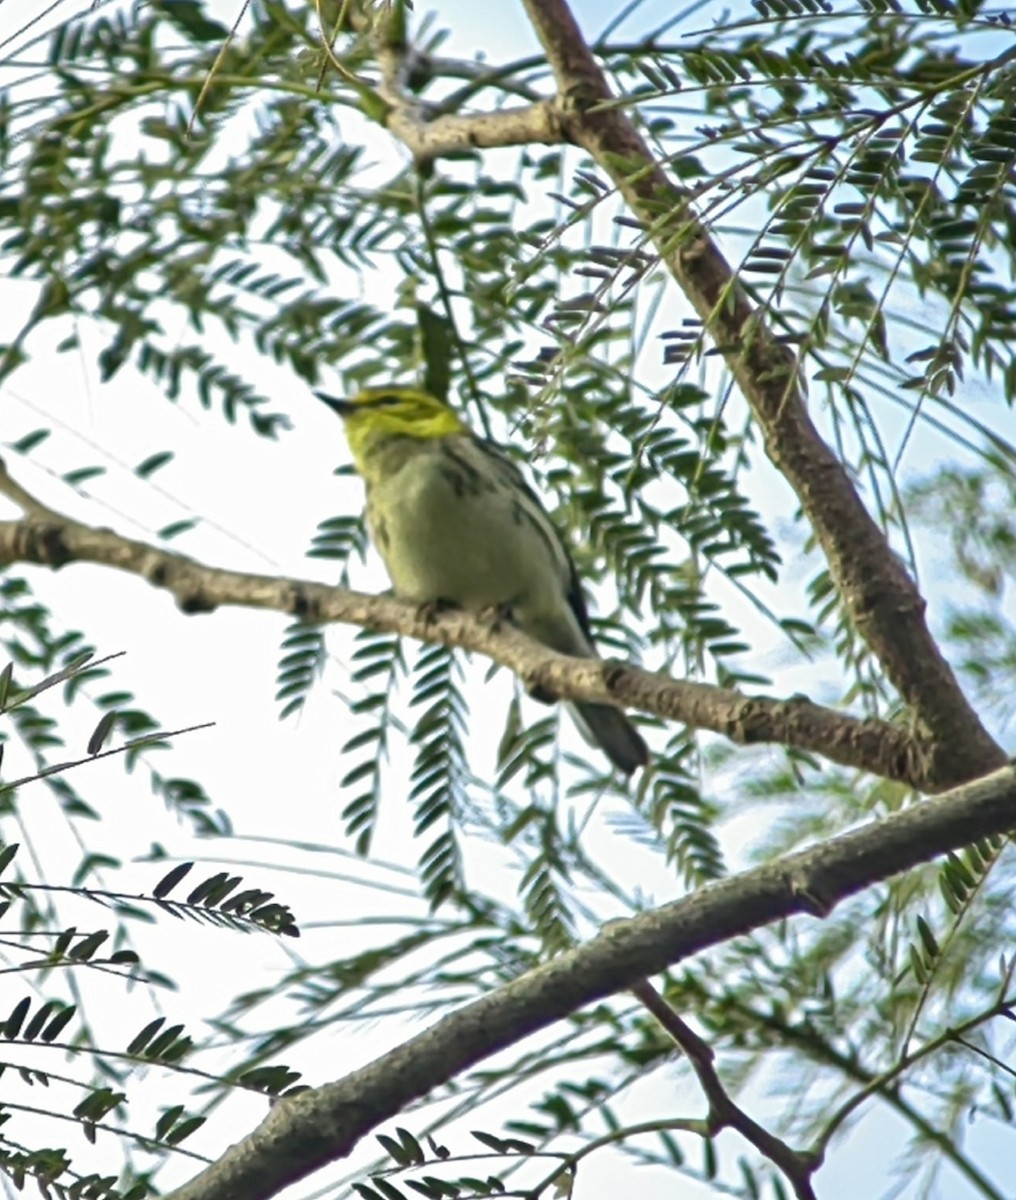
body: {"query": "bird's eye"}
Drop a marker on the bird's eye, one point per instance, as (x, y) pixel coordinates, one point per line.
(386, 401)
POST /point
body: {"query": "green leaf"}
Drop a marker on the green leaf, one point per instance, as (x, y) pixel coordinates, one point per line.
(27, 444)
(141, 1040)
(101, 733)
(155, 462)
(169, 881)
(88, 945)
(190, 17)
(12, 1026)
(59, 1023)
(7, 856)
(185, 1128)
(437, 338)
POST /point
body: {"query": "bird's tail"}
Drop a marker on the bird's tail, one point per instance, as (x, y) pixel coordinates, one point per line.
(617, 737)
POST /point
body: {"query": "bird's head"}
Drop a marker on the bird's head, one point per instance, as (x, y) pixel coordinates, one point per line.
(384, 412)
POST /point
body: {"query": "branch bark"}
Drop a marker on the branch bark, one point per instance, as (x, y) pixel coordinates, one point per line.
(45, 537)
(308, 1131)
(724, 1113)
(452, 134)
(876, 590)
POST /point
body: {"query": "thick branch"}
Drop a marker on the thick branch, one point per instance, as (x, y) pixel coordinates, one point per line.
(308, 1131)
(452, 134)
(881, 598)
(48, 538)
(431, 133)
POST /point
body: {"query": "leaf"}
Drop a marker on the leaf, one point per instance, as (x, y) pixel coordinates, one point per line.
(497, 1144)
(12, 1026)
(165, 1047)
(155, 462)
(101, 733)
(141, 1040)
(82, 475)
(7, 856)
(59, 1023)
(185, 1129)
(190, 18)
(35, 1025)
(170, 880)
(167, 532)
(388, 1190)
(928, 940)
(167, 1120)
(411, 1146)
(394, 1149)
(438, 344)
(88, 945)
(27, 444)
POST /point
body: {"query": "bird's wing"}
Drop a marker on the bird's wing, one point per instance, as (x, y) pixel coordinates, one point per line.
(538, 515)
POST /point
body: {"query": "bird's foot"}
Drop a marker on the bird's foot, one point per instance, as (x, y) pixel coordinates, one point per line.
(430, 610)
(496, 615)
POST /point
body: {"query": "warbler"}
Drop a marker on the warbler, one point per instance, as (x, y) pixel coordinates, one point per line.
(454, 520)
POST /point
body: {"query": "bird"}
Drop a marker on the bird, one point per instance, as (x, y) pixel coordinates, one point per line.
(455, 523)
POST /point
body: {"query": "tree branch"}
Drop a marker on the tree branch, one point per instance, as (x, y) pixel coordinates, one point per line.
(880, 1084)
(451, 134)
(724, 1113)
(877, 591)
(431, 132)
(48, 538)
(306, 1132)
(874, 586)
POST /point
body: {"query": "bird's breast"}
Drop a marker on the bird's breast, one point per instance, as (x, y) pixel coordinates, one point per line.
(447, 529)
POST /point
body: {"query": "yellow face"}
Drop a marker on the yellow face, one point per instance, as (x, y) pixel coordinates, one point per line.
(393, 412)
(375, 415)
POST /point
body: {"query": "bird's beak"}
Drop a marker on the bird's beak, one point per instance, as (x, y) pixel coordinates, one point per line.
(342, 407)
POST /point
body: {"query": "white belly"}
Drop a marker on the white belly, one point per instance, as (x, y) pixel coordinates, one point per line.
(476, 548)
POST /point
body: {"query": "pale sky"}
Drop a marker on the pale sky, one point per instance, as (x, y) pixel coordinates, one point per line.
(259, 504)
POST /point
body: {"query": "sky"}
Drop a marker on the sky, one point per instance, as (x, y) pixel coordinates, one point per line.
(259, 504)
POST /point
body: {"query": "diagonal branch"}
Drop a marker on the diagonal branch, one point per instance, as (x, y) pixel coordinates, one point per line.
(878, 593)
(883, 601)
(724, 1113)
(306, 1132)
(45, 537)
(884, 1085)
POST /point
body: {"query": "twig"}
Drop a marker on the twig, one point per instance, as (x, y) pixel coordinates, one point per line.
(798, 1166)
